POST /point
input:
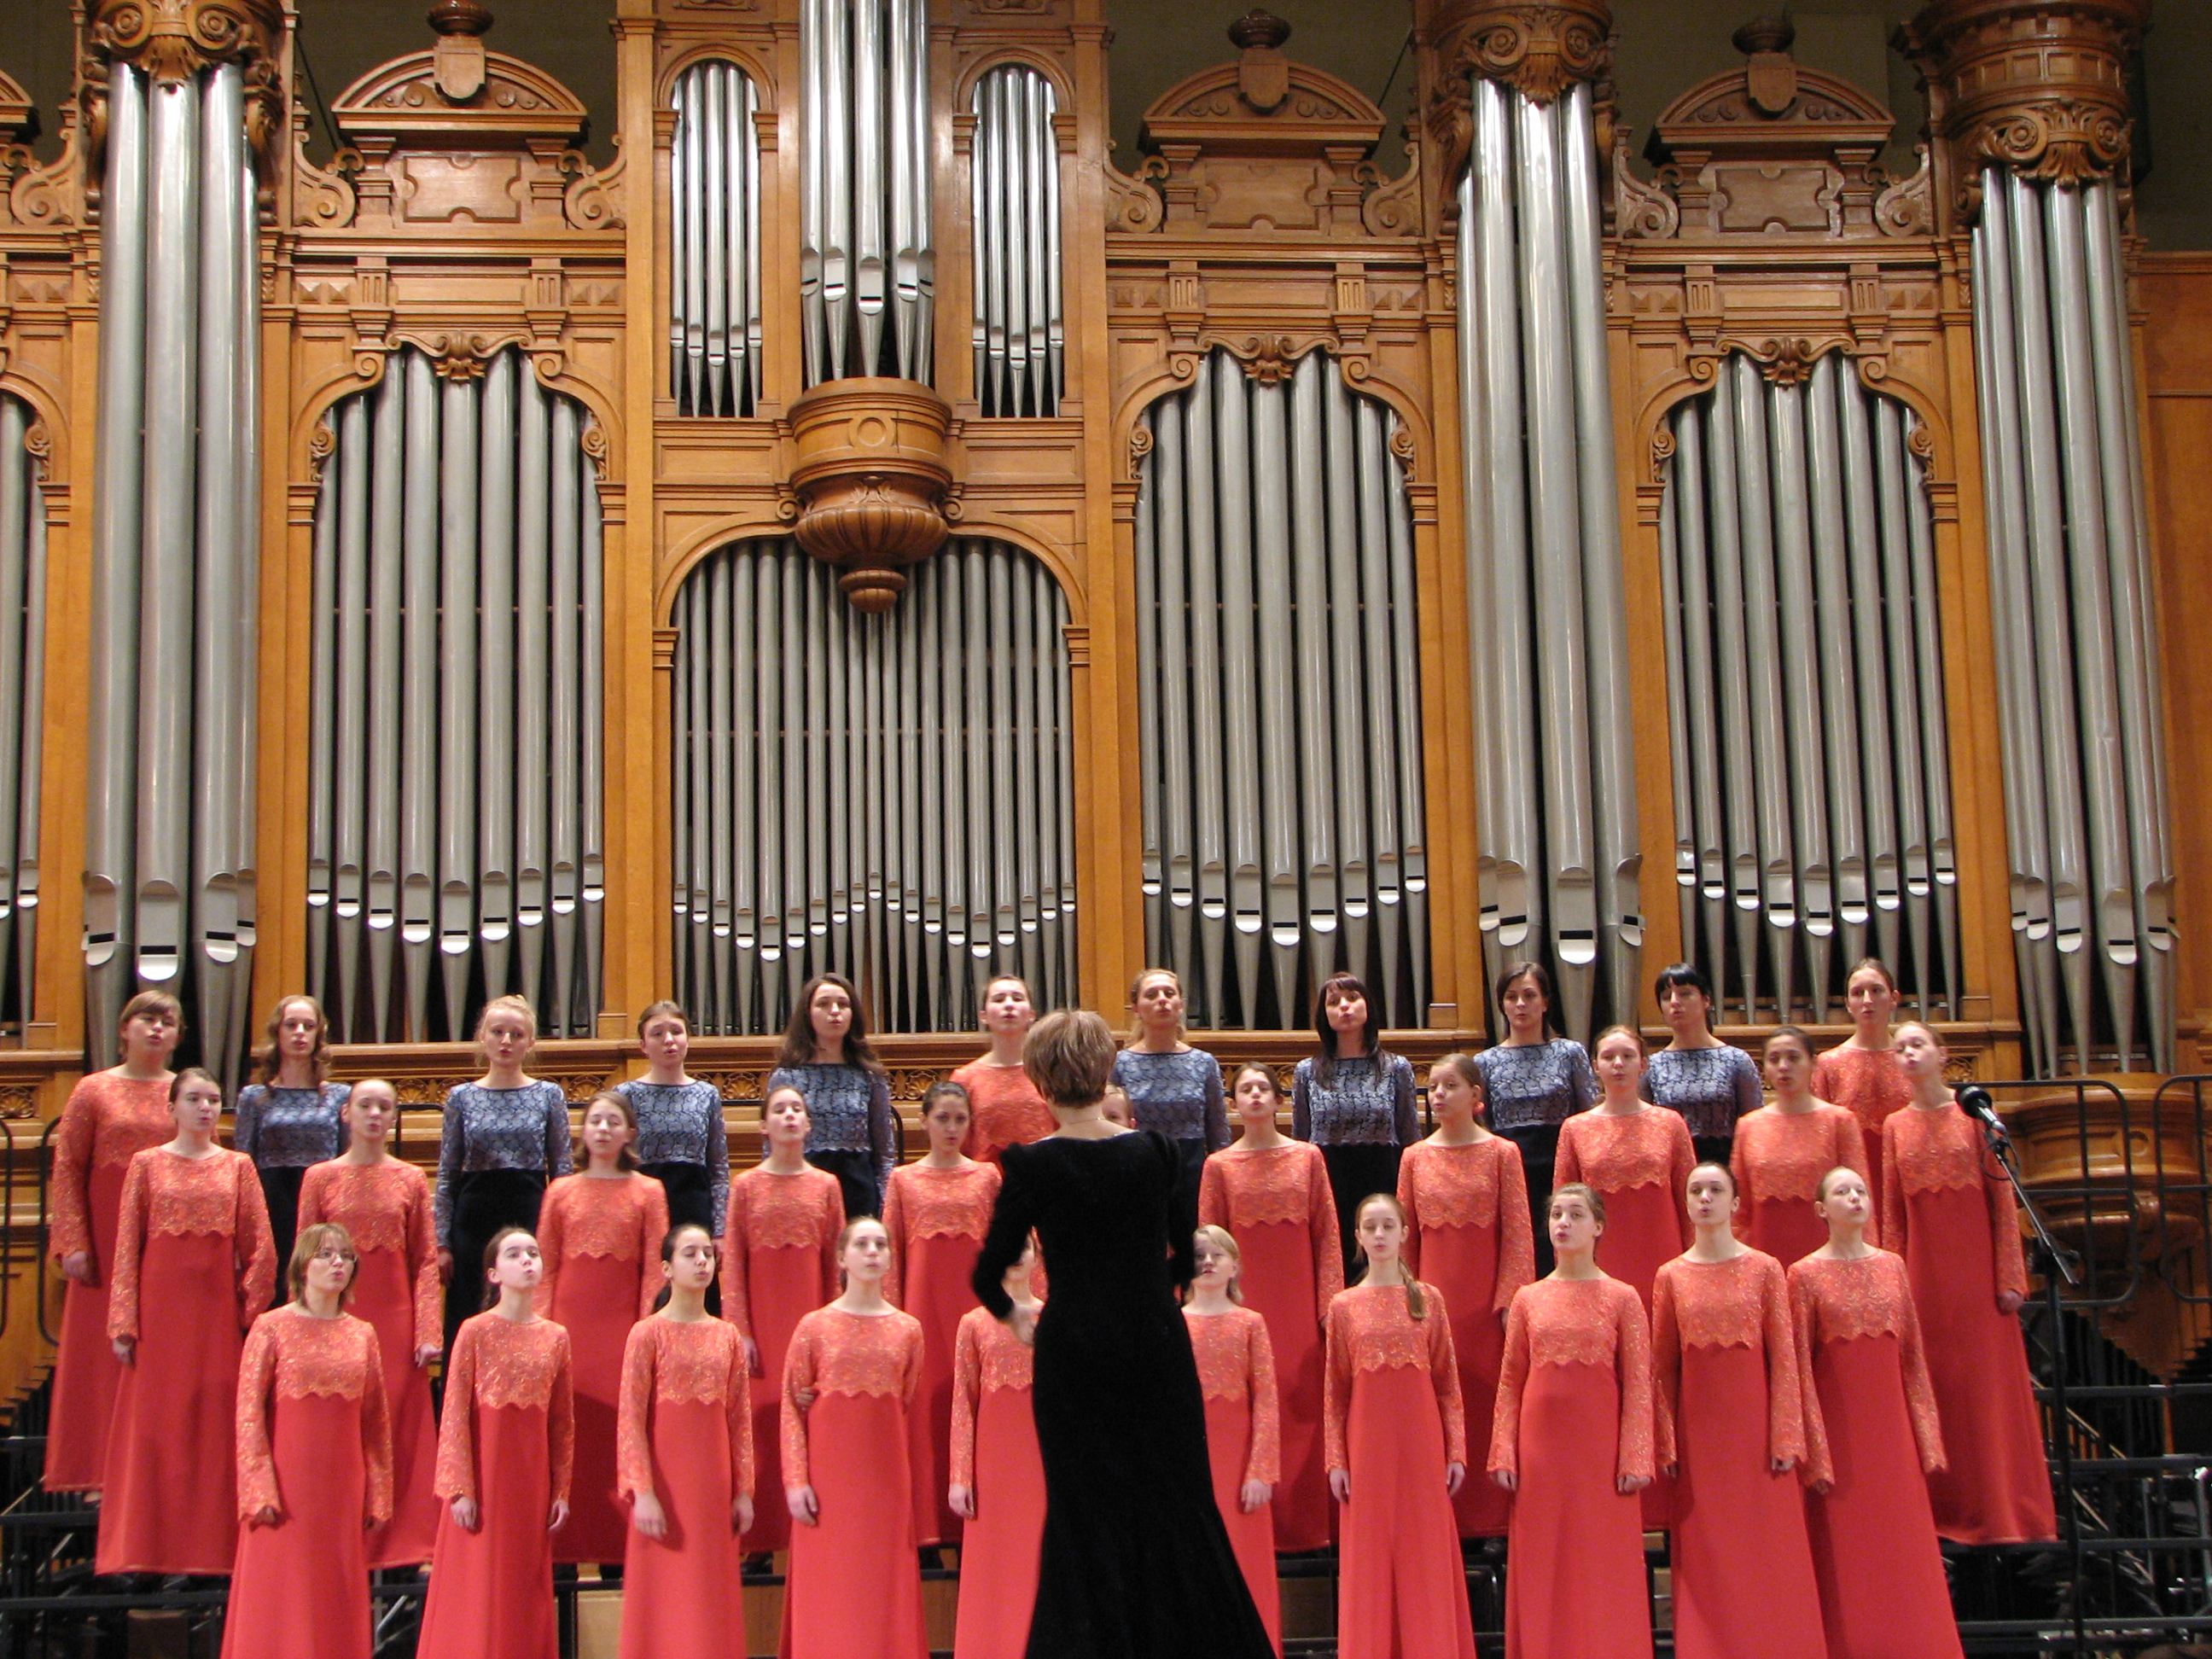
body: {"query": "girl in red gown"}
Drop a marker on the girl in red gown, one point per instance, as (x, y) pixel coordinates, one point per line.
(849, 1382)
(1271, 1194)
(1573, 1443)
(315, 1466)
(194, 1264)
(1949, 1212)
(1397, 1455)
(779, 1263)
(998, 1476)
(1730, 1429)
(601, 1230)
(1006, 1109)
(1783, 1149)
(1637, 1157)
(1236, 1372)
(685, 1448)
(936, 1211)
(384, 1204)
(1870, 1437)
(111, 1117)
(1861, 1074)
(1467, 1233)
(505, 1450)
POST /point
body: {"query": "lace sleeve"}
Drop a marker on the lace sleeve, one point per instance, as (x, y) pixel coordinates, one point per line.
(737, 1407)
(375, 1438)
(1740, 1181)
(1636, 1417)
(1512, 1377)
(452, 1154)
(882, 1129)
(257, 1463)
(422, 1260)
(894, 1226)
(457, 1451)
(832, 1222)
(1012, 1217)
(718, 1166)
(910, 1378)
(1444, 1371)
(129, 1244)
(1583, 1079)
(1919, 1393)
(799, 1364)
(1666, 1371)
(1568, 1163)
(1785, 1398)
(245, 1123)
(1819, 1467)
(1405, 1116)
(633, 1414)
(1321, 1227)
(967, 1392)
(552, 1240)
(1516, 1239)
(1409, 1201)
(1302, 1102)
(2011, 1258)
(256, 1247)
(1336, 1390)
(653, 1229)
(559, 1143)
(1265, 1461)
(311, 1208)
(1685, 1159)
(68, 1209)
(561, 1418)
(736, 1262)
(1217, 1113)
(1748, 1095)
(1851, 1151)
(1212, 1193)
(1890, 1206)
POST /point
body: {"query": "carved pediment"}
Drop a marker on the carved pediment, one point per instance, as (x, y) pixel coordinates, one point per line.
(17, 117)
(514, 103)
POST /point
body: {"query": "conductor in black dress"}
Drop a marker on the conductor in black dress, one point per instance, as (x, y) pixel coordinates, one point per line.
(1136, 1563)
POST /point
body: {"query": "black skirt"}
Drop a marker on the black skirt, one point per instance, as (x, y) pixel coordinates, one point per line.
(1355, 1172)
(690, 1204)
(1539, 1150)
(485, 1200)
(856, 1176)
(280, 1190)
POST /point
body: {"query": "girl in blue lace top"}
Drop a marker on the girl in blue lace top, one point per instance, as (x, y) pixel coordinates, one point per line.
(292, 1117)
(1534, 1080)
(505, 1136)
(1172, 1087)
(827, 1057)
(1354, 1100)
(1710, 1082)
(681, 1140)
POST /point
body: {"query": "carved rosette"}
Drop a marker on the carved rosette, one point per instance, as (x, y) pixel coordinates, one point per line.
(174, 39)
(2035, 86)
(871, 482)
(1539, 49)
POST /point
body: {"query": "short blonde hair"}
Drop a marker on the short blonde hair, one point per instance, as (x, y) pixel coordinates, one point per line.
(1069, 1054)
(1225, 1242)
(507, 1004)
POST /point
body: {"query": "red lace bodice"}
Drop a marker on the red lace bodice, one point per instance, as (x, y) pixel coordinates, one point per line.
(1929, 1154)
(290, 1355)
(1780, 1156)
(772, 1211)
(919, 1202)
(986, 1357)
(386, 1207)
(1236, 1361)
(614, 1220)
(168, 1193)
(1649, 1148)
(1005, 1109)
(1481, 1184)
(1743, 1302)
(1369, 1329)
(109, 1120)
(696, 1362)
(499, 1361)
(1578, 1322)
(833, 1351)
(1868, 1083)
(1836, 1301)
(1277, 1186)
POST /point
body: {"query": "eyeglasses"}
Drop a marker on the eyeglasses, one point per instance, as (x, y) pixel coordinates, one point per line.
(345, 1256)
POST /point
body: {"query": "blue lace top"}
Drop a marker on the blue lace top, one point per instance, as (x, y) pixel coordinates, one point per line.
(849, 1108)
(290, 1128)
(1361, 1105)
(1710, 1087)
(1179, 1095)
(682, 1123)
(1533, 1083)
(524, 1128)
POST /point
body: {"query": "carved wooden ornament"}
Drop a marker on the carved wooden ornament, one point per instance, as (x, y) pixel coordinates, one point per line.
(871, 482)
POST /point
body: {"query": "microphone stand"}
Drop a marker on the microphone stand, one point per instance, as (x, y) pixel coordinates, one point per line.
(2058, 1266)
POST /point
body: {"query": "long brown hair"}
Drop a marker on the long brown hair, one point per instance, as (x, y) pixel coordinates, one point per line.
(272, 1058)
(799, 1031)
(1338, 986)
(1417, 1305)
(627, 1159)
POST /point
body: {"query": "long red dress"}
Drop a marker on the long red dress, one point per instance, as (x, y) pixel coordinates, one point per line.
(600, 1238)
(1467, 1233)
(1575, 1418)
(109, 1120)
(194, 1264)
(1638, 1163)
(937, 1219)
(1777, 1163)
(507, 1440)
(779, 1264)
(1393, 1421)
(396, 1289)
(686, 1435)
(1243, 1441)
(1949, 1212)
(1871, 1428)
(1730, 1402)
(994, 1456)
(1003, 1109)
(1870, 1085)
(855, 1585)
(1276, 1204)
(314, 1446)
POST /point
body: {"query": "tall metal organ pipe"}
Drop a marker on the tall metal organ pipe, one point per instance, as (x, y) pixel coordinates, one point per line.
(714, 218)
(1825, 618)
(884, 797)
(22, 703)
(867, 263)
(437, 804)
(2086, 799)
(1020, 343)
(169, 816)
(1558, 862)
(1284, 807)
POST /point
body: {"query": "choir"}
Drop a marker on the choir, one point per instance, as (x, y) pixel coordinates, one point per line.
(1720, 1346)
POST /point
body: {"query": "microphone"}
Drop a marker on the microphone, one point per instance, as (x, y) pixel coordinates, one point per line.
(1974, 1100)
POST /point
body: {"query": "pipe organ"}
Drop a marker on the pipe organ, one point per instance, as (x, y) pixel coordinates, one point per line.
(476, 570)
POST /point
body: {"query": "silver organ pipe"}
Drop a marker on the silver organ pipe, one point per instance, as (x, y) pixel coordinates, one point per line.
(31, 751)
(914, 747)
(1308, 571)
(1798, 557)
(454, 823)
(1014, 197)
(714, 216)
(2085, 786)
(22, 634)
(866, 266)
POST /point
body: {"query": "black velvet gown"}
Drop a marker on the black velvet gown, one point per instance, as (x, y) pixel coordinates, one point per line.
(1136, 1562)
